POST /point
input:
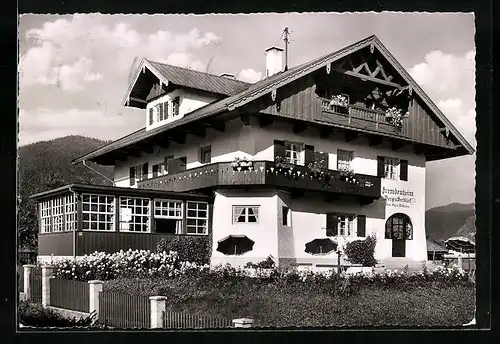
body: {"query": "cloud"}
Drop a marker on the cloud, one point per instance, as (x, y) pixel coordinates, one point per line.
(45, 124)
(63, 47)
(249, 75)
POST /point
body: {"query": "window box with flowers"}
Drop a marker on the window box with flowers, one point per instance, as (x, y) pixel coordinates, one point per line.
(319, 170)
(347, 176)
(240, 164)
(338, 104)
(395, 117)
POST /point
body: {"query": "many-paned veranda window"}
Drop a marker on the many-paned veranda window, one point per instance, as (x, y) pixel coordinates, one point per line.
(134, 214)
(46, 216)
(70, 212)
(197, 217)
(98, 212)
(57, 214)
(245, 214)
(169, 209)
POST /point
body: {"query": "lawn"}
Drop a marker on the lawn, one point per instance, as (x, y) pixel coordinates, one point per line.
(286, 304)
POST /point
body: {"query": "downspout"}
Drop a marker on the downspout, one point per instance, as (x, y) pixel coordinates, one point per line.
(76, 222)
(84, 163)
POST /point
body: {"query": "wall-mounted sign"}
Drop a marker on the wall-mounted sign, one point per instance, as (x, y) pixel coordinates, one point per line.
(398, 198)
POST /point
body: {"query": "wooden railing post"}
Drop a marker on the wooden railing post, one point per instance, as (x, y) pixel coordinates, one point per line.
(243, 322)
(28, 270)
(158, 307)
(47, 274)
(95, 288)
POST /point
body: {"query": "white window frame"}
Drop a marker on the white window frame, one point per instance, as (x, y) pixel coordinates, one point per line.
(58, 214)
(344, 164)
(70, 212)
(163, 209)
(46, 216)
(297, 149)
(392, 168)
(346, 225)
(242, 210)
(161, 169)
(110, 224)
(145, 226)
(198, 217)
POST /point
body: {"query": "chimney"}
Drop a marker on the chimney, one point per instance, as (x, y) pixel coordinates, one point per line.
(274, 60)
(227, 75)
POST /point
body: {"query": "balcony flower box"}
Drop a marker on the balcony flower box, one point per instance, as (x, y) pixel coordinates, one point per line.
(395, 117)
(240, 164)
(348, 176)
(338, 104)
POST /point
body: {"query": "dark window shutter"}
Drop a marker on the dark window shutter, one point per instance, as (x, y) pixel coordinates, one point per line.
(279, 149)
(380, 166)
(155, 170)
(403, 170)
(165, 109)
(161, 111)
(361, 225)
(182, 163)
(150, 116)
(145, 171)
(331, 224)
(173, 165)
(132, 176)
(308, 154)
(167, 158)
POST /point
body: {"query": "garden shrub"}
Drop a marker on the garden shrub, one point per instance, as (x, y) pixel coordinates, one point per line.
(265, 264)
(362, 251)
(194, 249)
(31, 314)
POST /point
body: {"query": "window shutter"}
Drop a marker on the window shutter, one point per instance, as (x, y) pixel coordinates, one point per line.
(380, 166)
(361, 225)
(165, 110)
(279, 149)
(132, 176)
(155, 170)
(403, 170)
(151, 116)
(308, 154)
(167, 158)
(331, 224)
(172, 165)
(182, 163)
(161, 111)
(145, 171)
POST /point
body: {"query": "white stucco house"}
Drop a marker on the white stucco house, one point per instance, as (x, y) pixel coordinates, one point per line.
(334, 147)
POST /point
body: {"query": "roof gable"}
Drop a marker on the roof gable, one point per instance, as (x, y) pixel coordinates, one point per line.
(149, 73)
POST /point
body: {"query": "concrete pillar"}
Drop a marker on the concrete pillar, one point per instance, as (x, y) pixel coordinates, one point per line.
(28, 270)
(47, 274)
(95, 287)
(460, 263)
(158, 306)
(243, 322)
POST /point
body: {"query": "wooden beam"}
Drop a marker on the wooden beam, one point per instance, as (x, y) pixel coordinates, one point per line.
(138, 100)
(419, 149)
(397, 144)
(299, 127)
(163, 143)
(136, 153)
(265, 120)
(197, 131)
(325, 132)
(366, 200)
(180, 138)
(350, 136)
(217, 125)
(366, 77)
(374, 140)
(296, 193)
(146, 147)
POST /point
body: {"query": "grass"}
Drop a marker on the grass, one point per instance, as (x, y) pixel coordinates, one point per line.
(280, 304)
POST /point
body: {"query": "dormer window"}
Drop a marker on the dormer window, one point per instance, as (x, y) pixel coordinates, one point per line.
(158, 113)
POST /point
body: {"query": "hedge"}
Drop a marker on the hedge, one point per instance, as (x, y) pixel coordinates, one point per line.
(194, 249)
(362, 251)
(31, 314)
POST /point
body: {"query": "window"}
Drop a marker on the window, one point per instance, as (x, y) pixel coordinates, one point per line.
(197, 218)
(175, 106)
(134, 214)
(46, 216)
(399, 226)
(168, 209)
(158, 169)
(245, 214)
(206, 155)
(57, 215)
(98, 212)
(70, 212)
(345, 225)
(158, 113)
(391, 168)
(344, 159)
(294, 153)
(286, 216)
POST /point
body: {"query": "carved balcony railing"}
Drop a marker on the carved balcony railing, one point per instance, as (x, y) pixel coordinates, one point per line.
(265, 173)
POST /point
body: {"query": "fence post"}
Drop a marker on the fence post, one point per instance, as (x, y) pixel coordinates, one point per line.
(47, 274)
(158, 307)
(95, 287)
(28, 270)
(460, 263)
(243, 322)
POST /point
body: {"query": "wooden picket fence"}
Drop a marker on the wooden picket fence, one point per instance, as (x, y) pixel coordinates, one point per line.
(69, 294)
(124, 310)
(180, 320)
(36, 285)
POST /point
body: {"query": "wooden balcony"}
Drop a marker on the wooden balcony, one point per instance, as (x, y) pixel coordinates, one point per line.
(354, 115)
(264, 174)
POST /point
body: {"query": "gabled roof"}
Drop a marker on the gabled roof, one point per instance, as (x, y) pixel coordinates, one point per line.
(184, 77)
(274, 82)
(434, 246)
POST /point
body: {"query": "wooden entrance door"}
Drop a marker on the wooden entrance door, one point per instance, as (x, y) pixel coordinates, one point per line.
(399, 228)
(398, 247)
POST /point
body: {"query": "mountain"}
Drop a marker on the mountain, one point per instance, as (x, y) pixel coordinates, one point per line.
(454, 219)
(46, 165)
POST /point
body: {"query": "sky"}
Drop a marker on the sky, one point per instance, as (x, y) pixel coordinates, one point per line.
(75, 69)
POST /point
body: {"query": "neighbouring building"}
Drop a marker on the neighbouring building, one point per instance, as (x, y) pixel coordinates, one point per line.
(331, 150)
